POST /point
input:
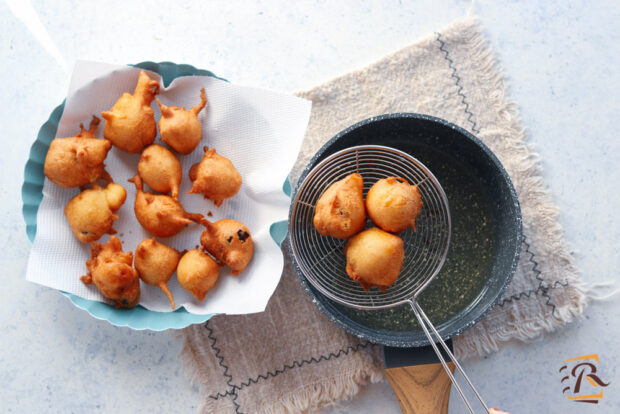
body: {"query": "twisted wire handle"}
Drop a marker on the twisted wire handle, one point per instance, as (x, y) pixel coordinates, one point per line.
(425, 323)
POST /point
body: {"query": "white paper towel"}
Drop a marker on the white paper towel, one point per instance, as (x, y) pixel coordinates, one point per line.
(259, 131)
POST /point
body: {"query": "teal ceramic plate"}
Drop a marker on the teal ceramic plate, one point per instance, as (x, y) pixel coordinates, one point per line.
(32, 194)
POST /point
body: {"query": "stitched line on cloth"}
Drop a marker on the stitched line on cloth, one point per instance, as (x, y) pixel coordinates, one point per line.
(295, 364)
(224, 366)
(455, 75)
(541, 287)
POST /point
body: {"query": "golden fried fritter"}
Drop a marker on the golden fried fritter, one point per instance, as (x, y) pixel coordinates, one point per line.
(197, 273)
(91, 213)
(161, 170)
(110, 270)
(214, 176)
(179, 127)
(78, 160)
(155, 263)
(339, 211)
(374, 258)
(393, 204)
(161, 215)
(130, 124)
(229, 241)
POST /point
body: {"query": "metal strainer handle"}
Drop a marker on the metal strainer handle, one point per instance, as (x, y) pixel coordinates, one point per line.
(425, 323)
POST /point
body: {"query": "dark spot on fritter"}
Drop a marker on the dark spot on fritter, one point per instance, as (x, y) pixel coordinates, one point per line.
(243, 235)
(229, 239)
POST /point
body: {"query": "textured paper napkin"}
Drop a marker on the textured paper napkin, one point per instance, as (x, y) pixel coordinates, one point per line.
(291, 358)
(258, 130)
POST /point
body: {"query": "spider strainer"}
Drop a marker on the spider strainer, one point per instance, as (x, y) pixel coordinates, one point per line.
(322, 261)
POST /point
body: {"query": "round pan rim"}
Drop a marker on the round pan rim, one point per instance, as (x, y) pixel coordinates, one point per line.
(403, 339)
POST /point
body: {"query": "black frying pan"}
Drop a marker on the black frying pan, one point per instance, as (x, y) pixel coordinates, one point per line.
(486, 232)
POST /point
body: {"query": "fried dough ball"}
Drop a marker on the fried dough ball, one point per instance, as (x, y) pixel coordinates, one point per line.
(130, 124)
(161, 215)
(161, 170)
(229, 241)
(155, 263)
(374, 258)
(197, 273)
(109, 268)
(393, 204)
(179, 127)
(214, 176)
(340, 211)
(91, 213)
(77, 161)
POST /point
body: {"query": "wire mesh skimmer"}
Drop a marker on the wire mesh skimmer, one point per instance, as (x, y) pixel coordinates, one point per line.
(322, 260)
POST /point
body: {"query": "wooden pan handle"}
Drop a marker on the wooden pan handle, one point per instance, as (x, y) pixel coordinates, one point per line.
(421, 389)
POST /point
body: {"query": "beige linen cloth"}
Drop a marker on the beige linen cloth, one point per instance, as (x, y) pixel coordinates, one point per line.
(291, 358)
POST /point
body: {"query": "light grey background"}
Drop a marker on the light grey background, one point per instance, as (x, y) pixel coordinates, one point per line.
(562, 64)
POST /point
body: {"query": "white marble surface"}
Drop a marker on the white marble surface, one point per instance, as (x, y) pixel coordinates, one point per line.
(561, 61)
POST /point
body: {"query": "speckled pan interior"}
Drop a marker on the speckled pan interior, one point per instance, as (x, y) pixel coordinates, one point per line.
(486, 229)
